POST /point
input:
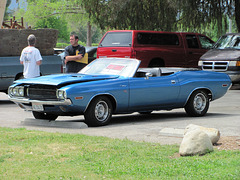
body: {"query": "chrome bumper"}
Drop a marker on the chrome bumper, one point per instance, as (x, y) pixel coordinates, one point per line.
(235, 78)
(25, 100)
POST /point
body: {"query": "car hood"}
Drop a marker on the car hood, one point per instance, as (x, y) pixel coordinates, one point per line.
(64, 79)
(221, 55)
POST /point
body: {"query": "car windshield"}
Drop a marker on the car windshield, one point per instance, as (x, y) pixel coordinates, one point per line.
(114, 66)
(228, 42)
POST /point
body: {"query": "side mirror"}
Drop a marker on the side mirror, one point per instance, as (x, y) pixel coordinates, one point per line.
(148, 74)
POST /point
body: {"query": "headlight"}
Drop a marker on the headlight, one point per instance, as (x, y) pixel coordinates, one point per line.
(61, 94)
(21, 91)
(16, 91)
(234, 63)
(10, 91)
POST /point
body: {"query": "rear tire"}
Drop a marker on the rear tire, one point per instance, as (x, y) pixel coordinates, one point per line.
(197, 104)
(99, 112)
(40, 115)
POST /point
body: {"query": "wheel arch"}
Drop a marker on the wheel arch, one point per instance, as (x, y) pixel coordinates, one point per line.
(157, 60)
(111, 97)
(207, 90)
(18, 76)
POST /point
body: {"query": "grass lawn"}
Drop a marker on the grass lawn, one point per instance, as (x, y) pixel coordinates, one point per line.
(28, 154)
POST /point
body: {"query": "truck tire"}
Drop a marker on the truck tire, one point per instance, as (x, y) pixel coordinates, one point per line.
(19, 76)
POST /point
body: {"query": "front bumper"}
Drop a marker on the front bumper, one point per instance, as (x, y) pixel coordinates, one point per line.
(235, 76)
(50, 102)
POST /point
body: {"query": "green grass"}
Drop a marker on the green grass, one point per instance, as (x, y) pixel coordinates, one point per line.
(28, 154)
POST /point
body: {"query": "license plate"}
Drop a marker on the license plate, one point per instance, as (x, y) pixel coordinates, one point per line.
(37, 107)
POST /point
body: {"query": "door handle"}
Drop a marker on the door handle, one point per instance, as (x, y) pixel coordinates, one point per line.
(173, 81)
(114, 50)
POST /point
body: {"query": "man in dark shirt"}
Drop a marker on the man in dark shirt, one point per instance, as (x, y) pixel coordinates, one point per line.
(74, 53)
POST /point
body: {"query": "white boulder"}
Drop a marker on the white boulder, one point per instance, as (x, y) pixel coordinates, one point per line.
(195, 142)
(214, 134)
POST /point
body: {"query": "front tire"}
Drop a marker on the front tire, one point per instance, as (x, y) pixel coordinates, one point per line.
(197, 104)
(40, 115)
(99, 112)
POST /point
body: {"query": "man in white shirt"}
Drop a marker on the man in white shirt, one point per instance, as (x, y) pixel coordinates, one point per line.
(31, 59)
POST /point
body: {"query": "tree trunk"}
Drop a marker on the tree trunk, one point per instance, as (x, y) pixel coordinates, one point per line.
(2, 10)
(89, 34)
(237, 14)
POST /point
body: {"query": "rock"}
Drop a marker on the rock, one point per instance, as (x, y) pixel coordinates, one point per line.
(214, 134)
(195, 142)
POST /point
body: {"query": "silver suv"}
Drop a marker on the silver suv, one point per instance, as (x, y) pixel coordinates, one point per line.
(224, 57)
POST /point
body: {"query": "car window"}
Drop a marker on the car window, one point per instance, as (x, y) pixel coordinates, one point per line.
(157, 39)
(235, 44)
(228, 42)
(117, 39)
(205, 42)
(192, 41)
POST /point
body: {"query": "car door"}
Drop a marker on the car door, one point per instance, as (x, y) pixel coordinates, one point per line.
(153, 93)
(193, 50)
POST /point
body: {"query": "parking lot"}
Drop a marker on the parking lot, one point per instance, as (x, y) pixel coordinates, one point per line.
(165, 127)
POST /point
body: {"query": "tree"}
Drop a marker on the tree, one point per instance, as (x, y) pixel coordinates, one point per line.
(204, 16)
(71, 11)
(166, 15)
(201, 14)
(237, 14)
(55, 23)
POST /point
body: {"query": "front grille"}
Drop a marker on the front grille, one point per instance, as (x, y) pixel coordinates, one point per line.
(215, 65)
(42, 92)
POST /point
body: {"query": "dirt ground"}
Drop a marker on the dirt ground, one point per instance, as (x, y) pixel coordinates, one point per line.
(228, 143)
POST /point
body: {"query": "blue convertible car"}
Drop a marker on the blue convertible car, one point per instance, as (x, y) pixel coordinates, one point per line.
(116, 85)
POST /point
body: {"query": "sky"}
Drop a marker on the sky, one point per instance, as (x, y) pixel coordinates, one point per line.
(14, 5)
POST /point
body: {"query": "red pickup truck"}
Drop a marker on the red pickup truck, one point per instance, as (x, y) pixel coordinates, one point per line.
(155, 48)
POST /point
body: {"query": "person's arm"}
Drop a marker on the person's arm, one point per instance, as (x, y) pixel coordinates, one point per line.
(21, 58)
(72, 57)
(39, 62)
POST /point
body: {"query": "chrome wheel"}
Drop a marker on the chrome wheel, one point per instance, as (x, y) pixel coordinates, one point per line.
(199, 102)
(101, 111)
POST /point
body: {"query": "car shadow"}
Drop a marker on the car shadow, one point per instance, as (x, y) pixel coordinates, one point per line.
(6, 102)
(160, 117)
